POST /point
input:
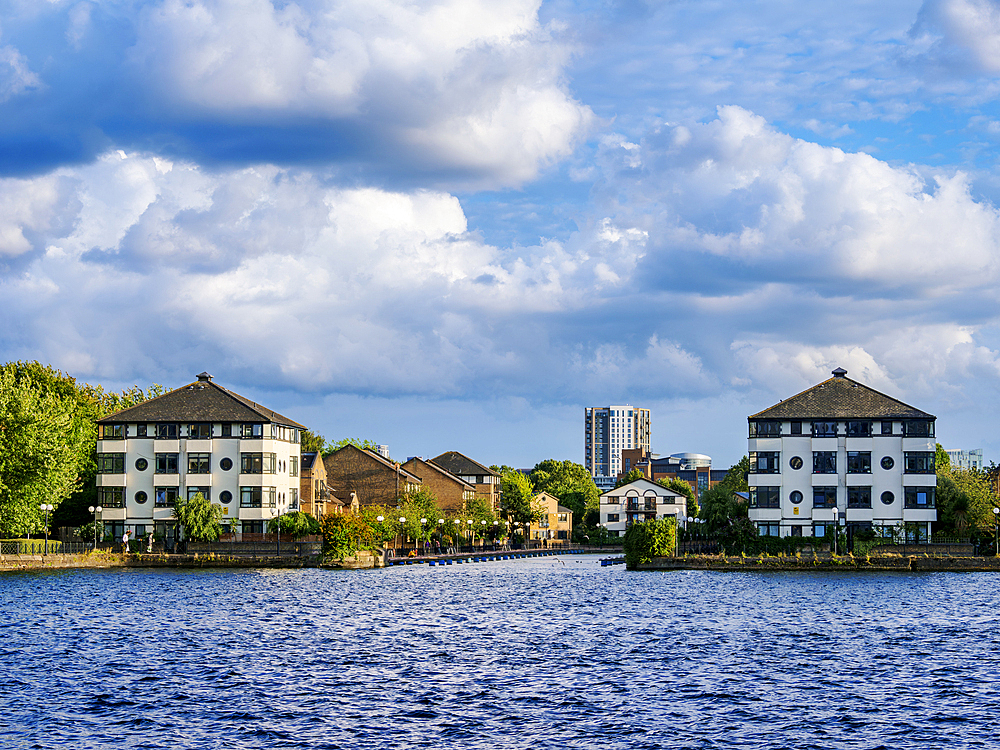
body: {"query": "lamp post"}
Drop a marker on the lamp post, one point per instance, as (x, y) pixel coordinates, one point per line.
(423, 528)
(996, 521)
(95, 511)
(402, 539)
(483, 522)
(472, 536)
(836, 528)
(46, 507)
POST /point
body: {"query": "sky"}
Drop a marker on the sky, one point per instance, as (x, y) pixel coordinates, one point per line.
(453, 224)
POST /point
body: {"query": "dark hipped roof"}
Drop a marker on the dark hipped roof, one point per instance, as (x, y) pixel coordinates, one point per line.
(200, 401)
(461, 465)
(308, 459)
(841, 398)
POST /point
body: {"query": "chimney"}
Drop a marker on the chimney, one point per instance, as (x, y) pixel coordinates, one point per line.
(839, 372)
(204, 377)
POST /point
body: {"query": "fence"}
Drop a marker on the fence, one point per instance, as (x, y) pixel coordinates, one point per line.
(255, 548)
(37, 547)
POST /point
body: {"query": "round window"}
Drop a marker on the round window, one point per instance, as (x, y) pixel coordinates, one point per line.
(141, 464)
(225, 497)
(140, 496)
(888, 497)
(888, 463)
(796, 462)
(795, 497)
(226, 464)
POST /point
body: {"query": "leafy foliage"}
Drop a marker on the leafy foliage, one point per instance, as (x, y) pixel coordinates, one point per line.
(311, 443)
(682, 488)
(518, 503)
(345, 534)
(736, 477)
(421, 504)
(568, 481)
(363, 444)
(648, 539)
(296, 524)
(200, 518)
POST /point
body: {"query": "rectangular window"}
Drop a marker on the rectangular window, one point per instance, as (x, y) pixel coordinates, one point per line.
(859, 497)
(859, 462)
(918, 497)
(887, 428)
(918, 462)
(820, 529)
(166, 432)
(140, 430)
(227, 430)
(796, 428)
(166, 463)
(612, 518)
(769, 529)
(110, 463)
(765, 497)
(252, 430)
(765, 429)
(250, 497)
(824, 429)
(293, 466)
(199, 463)
(166, 497)
(111, 497)
(765, 462)
(824, 497)
(258, 463)
(200, 431)
(918, 428)
(293, 499)
(824, 462)
(206, 492)
(859, 429)
(613, 501)
(112, 432)
(795, 531)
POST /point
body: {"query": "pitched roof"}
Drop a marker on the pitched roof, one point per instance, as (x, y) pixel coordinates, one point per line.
(415, 463)
(200, 401)
(376, 457)
(461, 465)
(641, 484)
(841, 398)
(308, 459)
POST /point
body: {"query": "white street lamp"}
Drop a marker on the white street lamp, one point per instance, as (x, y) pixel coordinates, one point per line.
(46, 507)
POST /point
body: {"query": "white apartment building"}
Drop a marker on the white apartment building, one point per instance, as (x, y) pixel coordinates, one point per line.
(640, 500)
(608, 430)
(841, 451)
(966, 459)
(198, 438)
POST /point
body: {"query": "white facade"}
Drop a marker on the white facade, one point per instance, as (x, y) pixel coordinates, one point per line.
(640, 500)
(970, 460)
(250, 468)
(867, 462)
(609, 430)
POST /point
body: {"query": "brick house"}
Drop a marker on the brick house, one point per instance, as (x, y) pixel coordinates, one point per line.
(451, 491)
(374, 479)
(484, 479)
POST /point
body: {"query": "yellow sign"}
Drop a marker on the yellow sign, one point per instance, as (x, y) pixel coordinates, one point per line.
(795, 511)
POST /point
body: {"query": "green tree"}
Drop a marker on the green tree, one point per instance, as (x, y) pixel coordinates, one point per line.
(736, 478)
(648, 539)
(421, 504)
(517, 500)
(200, 518)
(980, 499)
(629, 478)
(46, 427)
(295, 524)
(721, 509)
(942, 461)
(568, 481)
(682, 488)
(312, 443)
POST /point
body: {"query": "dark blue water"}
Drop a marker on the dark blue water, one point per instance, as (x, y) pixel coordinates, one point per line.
(549, 653)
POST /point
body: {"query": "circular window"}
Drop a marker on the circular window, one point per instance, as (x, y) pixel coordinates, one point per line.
(226, 464)
(141, 464)
(888, 463)
(225, 497)
(888, 497)
(140, 496)
(796, 462)
(795, 497)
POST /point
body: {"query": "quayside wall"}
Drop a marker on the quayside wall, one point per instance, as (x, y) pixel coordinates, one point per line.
(825, 563)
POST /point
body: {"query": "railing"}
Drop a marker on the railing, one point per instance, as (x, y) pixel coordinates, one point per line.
(37, 547)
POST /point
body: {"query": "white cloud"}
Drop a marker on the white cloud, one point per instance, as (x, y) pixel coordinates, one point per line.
(961, 26)
(15, 75)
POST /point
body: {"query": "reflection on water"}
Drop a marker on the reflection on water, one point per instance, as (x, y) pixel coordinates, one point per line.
(552, 652)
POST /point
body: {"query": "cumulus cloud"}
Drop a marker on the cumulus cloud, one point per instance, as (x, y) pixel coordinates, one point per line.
(450, 90)
(960, 34)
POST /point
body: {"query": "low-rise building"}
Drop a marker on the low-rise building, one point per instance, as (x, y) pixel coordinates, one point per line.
(452, 493)
(314, 495)
(841, 452)
(200, 438)
(641, 500)
(555, 526)
(483, 478)
(375, 479)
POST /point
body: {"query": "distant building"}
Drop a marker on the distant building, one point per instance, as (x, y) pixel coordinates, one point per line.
(314, 496)
(483, 478)
(374, 479)
(382, 450)
(693, 468)
(451, 491)
(609, 430)
(842, 452)
(200, 438)
(555, 527)
(966, 459)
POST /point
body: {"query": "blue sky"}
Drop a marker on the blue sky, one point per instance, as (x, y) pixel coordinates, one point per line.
(453, 224)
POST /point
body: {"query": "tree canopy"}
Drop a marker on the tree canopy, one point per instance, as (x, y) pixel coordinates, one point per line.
(363, 444)
(682, 488)
(310, 442)
(629, 478)
(518, 495)
(568, 481)
(200, 518)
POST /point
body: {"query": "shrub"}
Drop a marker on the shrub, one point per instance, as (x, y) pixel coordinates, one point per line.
(648, 539)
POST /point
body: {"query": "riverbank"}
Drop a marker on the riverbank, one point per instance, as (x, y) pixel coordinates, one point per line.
(823, 563)
(101, 560)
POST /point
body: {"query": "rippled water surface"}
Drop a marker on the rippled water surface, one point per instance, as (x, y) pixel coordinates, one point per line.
(553, 652)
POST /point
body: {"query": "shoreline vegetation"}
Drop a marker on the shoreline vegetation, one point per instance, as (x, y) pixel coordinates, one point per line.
(825, 563)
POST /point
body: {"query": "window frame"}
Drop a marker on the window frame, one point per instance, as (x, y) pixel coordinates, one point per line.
(824, 462)
(167, 459)
(862, 463)
(826, 502)
(862, 497)
(110, 463)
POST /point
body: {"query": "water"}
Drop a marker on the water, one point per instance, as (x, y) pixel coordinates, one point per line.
(546, 653)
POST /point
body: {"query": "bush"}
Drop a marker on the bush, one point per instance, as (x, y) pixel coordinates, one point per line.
(648, 539)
